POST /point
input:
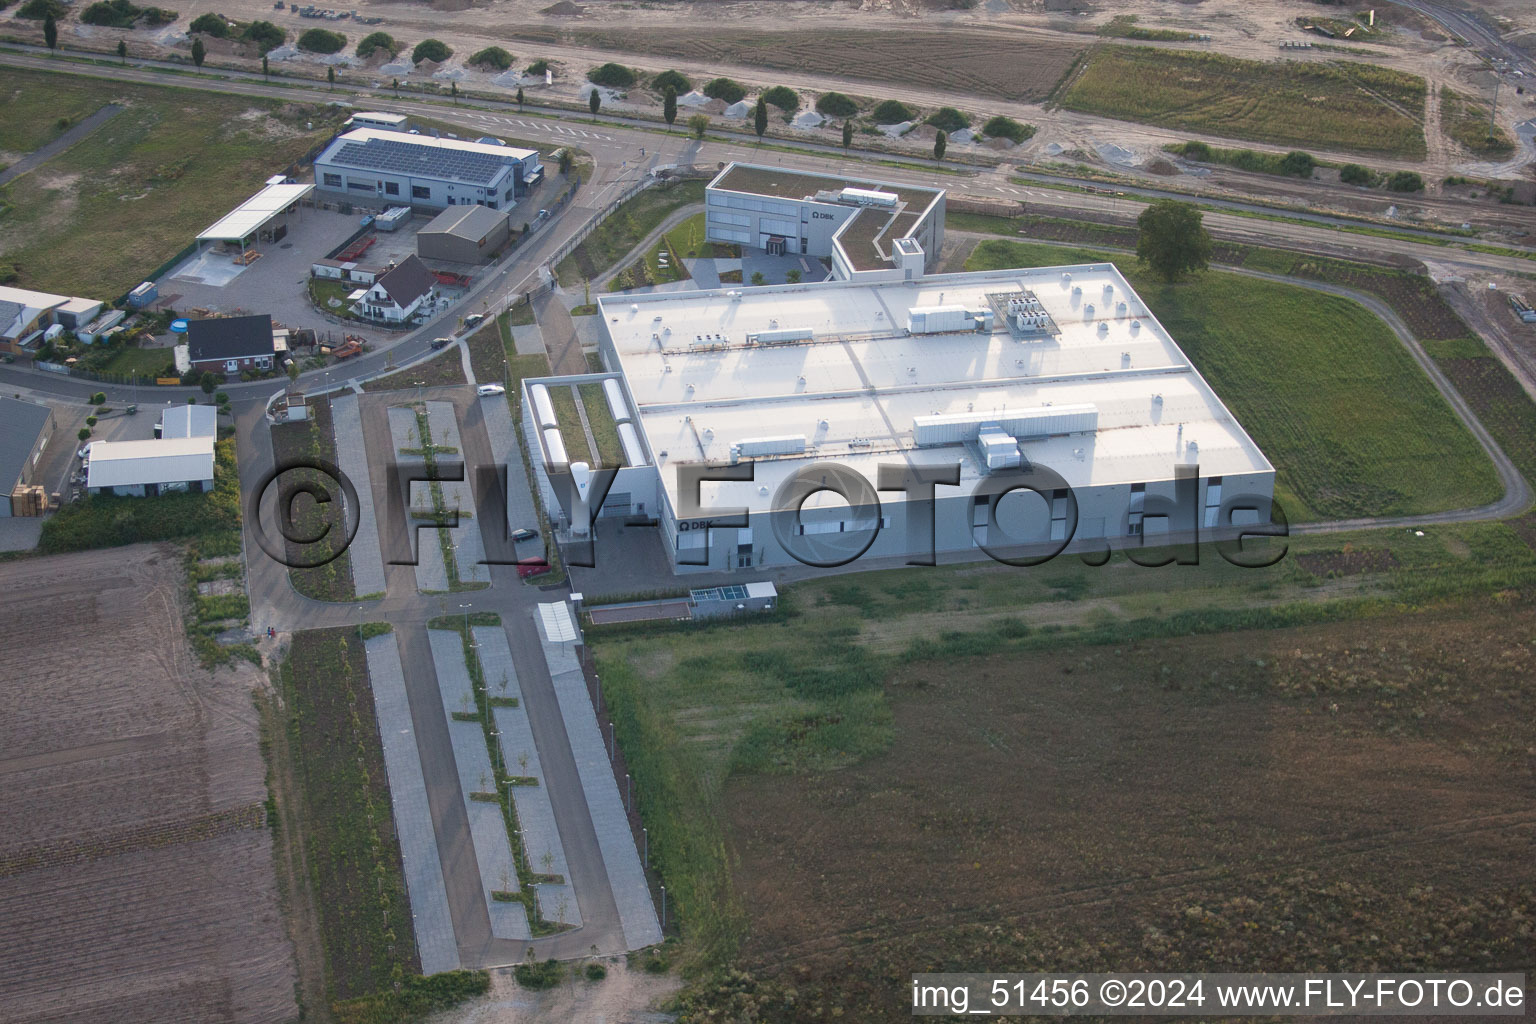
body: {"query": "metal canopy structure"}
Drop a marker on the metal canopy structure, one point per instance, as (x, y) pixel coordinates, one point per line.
(246, 219)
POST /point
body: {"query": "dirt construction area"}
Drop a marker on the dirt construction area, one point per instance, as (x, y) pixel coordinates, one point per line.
(1350, 797)
(136, 877)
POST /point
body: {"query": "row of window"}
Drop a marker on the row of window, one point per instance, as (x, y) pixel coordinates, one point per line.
(741, 220)
(391, 188)
(727, 235)
(736, 202)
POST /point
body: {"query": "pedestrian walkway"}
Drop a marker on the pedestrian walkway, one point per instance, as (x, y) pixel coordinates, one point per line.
(352, 459)
(631, 895)
(487, 826)
(535, 812)
(435, 941)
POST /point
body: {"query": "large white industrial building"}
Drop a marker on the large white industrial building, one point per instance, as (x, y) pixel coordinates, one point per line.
(868, 230)
(1011, 376)
(378, 165)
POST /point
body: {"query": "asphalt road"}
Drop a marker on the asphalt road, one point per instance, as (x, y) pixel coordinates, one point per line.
(1471, 29)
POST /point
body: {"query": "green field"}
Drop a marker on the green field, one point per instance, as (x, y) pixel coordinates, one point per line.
(30, 116)
(1334, 400)
(97, 219)
(1337, 106)
(610, 451)
(624, 229)
(1468, 122)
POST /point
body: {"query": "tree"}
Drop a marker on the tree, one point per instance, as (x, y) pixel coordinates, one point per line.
(669, 106)
(760, 117)
(847, 134)
(395, 84)
(519, 97)
(1173, 239)
(99, 398)
(1354, 174)
(940, 144)
(208, 382)
(699, 124)
(122, 50)
(594, 102)
(330, 78)
(264, 69)
(453, 90)
(198, 52)
(758, 278)
(85, 432)
(565, 160)
(51, 32)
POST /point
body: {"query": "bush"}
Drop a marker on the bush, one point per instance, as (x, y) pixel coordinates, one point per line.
(595, 971)
(615, 76)
(835, 104)
(111, 14)
(1297, 164)
(675, 80)
(783, 97)
(892, 112)
(538, 67)
(84, 433)
(373, 42)
(264, 34)
(492, 57)
(417, 998)
(322, 40)
(98, 398)
(1405, 181)
(948, 119)
(156, 16)
(1001, 127)
(725, 89)
(1354, 174)
(210, 24)
(37, 10)
(538, 975)
(1197, 151)
(434, 50)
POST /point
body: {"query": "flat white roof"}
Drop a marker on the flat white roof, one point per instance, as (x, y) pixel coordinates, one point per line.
(167, 461)
(189, 421)
(856, 388)
(245, 219)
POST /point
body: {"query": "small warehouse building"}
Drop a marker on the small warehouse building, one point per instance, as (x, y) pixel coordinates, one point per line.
(372, 165)
(188, 421)
(231, 344)
(464, 234)
(25, 315)
(25, 430)
(141, 469)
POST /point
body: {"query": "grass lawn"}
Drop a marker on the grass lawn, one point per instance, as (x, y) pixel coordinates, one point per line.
(649, 268)
(1320, 383)
(624, 229)
(576, 447)
(331, 295)
(139, 362)
(806, 691)
(687, 241)
(444, 369)
(609, 451)
(34, 107)
(1336, 106)
(99, 217)
(1466, 121)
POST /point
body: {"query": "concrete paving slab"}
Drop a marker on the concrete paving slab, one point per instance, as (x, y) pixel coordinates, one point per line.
(496, 661)
(352, 457)
(452, 676)
(631, 895)
(404, 432)
(431, 572)
(506, 451)
(435, 940)
(528, 340)
(443, 424)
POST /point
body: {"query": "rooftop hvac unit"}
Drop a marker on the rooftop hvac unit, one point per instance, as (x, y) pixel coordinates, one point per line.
(629, 438)
(998, 450)
(940, 319)
(1040, 421)
(868, 197)
(543, 408)
(780, 336)
(554, 447)
(616, 403)
(787, 444)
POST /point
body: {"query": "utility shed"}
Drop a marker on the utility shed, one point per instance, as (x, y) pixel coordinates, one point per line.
(148, 468)
(464, 234)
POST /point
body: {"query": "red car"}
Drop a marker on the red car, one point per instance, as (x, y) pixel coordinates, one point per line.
(531, 567)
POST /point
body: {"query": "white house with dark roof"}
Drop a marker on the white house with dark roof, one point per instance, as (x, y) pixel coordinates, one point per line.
(398, 295)
(231, 344)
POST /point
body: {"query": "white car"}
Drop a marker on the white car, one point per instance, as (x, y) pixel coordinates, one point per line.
(491, 389)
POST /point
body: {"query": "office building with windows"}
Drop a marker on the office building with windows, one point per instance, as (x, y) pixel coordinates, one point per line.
(391, 168)
(1051, 401)
(868, 230)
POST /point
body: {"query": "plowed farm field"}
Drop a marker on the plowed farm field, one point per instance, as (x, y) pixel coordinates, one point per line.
(136, 876)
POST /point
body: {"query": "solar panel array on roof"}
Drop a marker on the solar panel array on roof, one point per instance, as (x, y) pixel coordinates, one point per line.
(422, 161)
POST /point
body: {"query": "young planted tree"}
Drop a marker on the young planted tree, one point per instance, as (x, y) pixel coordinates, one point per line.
(1173, 240)
(760, 117)
(199, 51)
(51, 32)
(330, 78)
(122, 50)
(519, 97)
(847, 134)
(669, 106)
(699, 124)
(453, 90)
(264, 69)
(208, 382)
(940, 144)
(595, 102)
